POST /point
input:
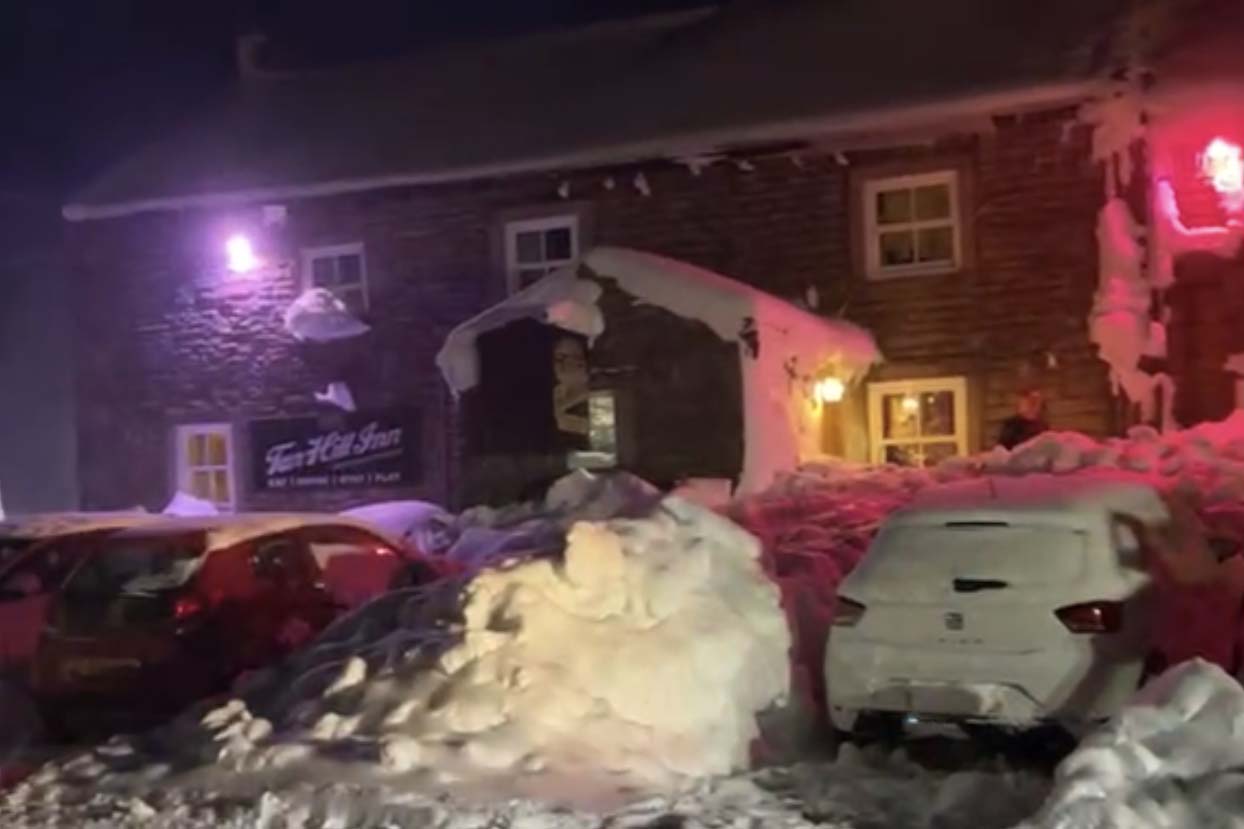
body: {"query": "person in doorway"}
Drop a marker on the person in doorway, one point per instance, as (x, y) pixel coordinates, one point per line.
(1027, 422)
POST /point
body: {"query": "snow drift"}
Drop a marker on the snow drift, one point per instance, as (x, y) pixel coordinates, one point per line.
(646, 654)
(1173, 758)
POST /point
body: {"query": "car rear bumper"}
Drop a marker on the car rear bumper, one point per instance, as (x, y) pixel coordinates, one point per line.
(1073, 685)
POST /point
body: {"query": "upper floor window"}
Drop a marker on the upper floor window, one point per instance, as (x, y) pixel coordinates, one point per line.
(205, 463)
(918, 422)
(341, 269)
(536, 247)
(913, 225)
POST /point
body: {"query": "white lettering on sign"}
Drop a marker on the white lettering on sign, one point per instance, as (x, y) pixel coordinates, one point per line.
(332, 448)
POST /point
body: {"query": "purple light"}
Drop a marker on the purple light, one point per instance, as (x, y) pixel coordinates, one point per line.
(242, 258)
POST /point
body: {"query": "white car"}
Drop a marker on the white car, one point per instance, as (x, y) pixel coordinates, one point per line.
(1014, 602)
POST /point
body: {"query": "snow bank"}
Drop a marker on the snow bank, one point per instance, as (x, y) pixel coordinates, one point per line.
(643, 656)
(1174, 758)
(318, 316)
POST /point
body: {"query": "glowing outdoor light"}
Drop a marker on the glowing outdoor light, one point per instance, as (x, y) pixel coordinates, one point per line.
(1222, 164)
(830, 390)
(241, 255)
(910, 403)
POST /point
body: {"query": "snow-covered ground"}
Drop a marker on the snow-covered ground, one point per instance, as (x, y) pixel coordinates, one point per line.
(610, 667)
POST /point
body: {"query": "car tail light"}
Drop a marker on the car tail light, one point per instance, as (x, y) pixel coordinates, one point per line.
(847, 614)
(187, 607)
(384, 551)
(1092, 617)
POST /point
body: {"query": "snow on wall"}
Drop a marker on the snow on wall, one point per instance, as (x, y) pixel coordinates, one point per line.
(782, 348)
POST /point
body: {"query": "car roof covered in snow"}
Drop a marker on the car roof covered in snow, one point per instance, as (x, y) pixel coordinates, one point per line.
(1067, 500)
(48, 524)
(670, 86)
(226, 530)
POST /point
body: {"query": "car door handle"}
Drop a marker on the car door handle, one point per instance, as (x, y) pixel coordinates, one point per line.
(977, 585)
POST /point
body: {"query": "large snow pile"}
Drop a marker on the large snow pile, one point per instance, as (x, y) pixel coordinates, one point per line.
(641, 657)
(1174, 758)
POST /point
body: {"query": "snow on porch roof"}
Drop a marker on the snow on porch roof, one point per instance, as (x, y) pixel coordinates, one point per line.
(723, 304)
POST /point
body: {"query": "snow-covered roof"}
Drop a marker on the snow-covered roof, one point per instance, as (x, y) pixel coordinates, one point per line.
(46, 524)
(752, 73)
(226, 530)
(723, 304)
(1058, 499)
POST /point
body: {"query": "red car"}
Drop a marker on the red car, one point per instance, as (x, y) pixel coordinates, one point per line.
(128, 626)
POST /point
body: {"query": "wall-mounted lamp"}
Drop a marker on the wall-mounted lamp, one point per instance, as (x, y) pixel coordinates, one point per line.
(829, 390)
(1222, 164)
(241, 256)
(910, 403)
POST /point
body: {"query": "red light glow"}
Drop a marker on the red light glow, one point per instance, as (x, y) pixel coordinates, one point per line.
(1223, 166)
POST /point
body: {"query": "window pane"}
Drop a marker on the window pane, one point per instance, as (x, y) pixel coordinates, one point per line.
(900, 415)
(898, 248)
(220, 486)
(349, 270)
(900, 455)
(935, 453)
(196, 454)
(933, 202)
(217, 450)
(602, 418)
(937, 413)
(893, 206)
(528, 247)
(526, 277)
(557, 244)
(201, 484)
(322, 275)
(936, 244)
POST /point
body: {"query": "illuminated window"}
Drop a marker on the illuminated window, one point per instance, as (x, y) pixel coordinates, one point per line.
(912, 225)
(341, 269)
(205, 463)
(602, 409)
(536, 247)
(917, 422)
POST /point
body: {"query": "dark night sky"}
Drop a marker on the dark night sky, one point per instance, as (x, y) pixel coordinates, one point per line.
(85, 80)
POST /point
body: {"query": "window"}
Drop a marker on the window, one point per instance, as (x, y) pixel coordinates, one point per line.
(912, 225)
(205, 463)
(341, 269)
(602, 414)
(536, 247)
(918, 422)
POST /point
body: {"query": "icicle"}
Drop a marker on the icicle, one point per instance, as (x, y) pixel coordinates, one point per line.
(641, 184)
(813, 297)
(563, 190)
(697, 164)
(842, 159)
(744, 165)
(610, 183)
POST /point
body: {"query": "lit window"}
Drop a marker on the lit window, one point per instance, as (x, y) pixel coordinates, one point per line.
(340, 269)
(918, 422)
(912, 225)
(536, 247)
(205, 463)
(602, 412)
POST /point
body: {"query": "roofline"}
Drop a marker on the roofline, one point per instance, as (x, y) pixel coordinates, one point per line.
(892, 118)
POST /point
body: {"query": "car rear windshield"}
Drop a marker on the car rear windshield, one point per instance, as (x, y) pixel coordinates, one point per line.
(130, 580)
(1015, 555)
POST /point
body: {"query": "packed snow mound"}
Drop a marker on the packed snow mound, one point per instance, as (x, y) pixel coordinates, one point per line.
(318, 316)
(1174, 758)
(644, 654)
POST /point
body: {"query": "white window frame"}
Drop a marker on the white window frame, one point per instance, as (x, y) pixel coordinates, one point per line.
(185, 471)
(309, 255)
(958, 386)
(873, 230)
(541, 224)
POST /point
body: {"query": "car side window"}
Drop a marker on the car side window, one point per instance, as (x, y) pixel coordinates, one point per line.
(44, 570)
(281, 561)
(329, 542)
(1125, 536)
